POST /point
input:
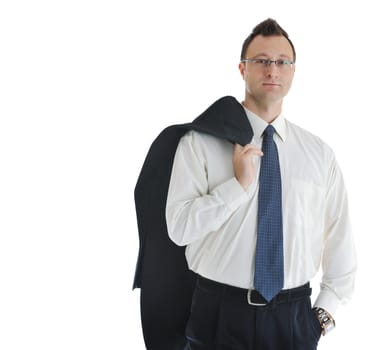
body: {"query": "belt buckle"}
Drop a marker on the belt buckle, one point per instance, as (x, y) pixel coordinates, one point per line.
(249, 298)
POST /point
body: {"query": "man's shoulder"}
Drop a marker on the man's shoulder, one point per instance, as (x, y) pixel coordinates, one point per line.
(314, 145)
(305, 135)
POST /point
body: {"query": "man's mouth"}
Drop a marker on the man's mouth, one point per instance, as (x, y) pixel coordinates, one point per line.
(270, 84)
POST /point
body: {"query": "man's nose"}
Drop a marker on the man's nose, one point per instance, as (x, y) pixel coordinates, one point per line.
(272, 69)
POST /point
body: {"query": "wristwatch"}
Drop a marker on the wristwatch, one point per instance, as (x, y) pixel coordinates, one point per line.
(325, 320)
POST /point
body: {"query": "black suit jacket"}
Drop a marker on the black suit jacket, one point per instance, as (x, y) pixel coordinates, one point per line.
(162, 274)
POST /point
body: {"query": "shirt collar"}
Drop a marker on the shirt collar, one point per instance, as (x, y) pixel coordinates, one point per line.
(259, 125)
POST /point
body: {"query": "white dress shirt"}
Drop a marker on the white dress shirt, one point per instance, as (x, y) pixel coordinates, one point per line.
(208, 211)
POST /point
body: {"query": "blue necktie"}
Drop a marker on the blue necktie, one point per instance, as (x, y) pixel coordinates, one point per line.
(269, 275)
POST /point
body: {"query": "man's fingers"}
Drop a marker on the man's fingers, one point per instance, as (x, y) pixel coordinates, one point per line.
(238, 147)
(253, 149)
(256, 152)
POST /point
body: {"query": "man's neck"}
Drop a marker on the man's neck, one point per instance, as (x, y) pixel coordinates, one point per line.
(265, 112)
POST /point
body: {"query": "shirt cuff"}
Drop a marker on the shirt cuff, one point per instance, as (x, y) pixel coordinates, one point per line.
(232, 193)
(328, 301)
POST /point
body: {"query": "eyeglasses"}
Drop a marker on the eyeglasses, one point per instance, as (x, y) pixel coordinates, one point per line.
(262, 63)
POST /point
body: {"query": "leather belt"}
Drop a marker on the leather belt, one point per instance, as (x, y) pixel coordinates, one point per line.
(252, 296)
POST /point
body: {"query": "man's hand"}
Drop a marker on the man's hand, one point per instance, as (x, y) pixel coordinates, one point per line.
(243, 163)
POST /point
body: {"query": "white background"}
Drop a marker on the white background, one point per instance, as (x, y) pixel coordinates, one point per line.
(85, 87)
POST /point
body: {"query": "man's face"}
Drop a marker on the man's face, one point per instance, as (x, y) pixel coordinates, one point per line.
(267, 84)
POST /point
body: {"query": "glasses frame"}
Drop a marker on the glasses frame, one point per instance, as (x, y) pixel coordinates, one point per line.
(267, 62)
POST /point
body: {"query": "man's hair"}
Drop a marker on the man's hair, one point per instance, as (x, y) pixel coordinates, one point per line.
(269, 27)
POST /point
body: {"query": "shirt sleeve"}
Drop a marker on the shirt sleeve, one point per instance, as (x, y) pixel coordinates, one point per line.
(339, 262)
(192, 211)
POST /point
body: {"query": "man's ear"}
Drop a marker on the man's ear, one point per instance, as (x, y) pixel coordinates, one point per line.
(242, 70)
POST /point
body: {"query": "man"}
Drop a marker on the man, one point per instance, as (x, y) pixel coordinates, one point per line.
(258, 220)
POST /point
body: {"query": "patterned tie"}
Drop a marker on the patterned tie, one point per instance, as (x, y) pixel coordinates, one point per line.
(269, 277)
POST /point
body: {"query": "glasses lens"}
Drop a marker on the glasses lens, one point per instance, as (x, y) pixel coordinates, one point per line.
(266, 63)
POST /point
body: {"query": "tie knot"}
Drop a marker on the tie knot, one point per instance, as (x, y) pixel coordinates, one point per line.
(269, 131)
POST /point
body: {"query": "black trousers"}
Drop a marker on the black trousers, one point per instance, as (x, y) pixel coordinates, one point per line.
(222, 319)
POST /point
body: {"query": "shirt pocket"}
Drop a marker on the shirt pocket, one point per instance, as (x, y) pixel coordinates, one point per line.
(303, 205)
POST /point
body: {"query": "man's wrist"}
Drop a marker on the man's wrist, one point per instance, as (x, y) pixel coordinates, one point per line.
(326, 321)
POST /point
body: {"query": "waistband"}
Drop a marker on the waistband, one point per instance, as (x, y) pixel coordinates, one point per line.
(252, 296)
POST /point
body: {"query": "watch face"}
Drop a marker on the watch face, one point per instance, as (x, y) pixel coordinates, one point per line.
(326, 321)
(327, 325)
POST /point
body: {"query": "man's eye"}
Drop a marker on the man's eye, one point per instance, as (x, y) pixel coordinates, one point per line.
(283, 63)
(261, 61)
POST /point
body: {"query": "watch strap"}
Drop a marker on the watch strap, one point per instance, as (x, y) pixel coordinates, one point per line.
(325, 320)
